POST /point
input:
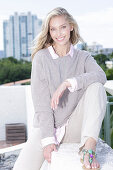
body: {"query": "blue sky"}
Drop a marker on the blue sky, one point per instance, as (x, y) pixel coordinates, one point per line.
(95, 18)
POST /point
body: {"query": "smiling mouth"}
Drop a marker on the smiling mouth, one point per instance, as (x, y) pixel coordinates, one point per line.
(60, 39)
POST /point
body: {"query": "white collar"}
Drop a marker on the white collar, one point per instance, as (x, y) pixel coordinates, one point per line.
(55, 56)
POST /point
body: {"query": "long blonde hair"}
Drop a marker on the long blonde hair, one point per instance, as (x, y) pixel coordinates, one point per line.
(43, 40)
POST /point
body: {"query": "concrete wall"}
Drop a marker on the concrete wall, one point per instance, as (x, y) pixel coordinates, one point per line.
(15, 107)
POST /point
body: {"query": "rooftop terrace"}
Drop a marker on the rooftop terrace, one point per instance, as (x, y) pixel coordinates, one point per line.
(16, 107)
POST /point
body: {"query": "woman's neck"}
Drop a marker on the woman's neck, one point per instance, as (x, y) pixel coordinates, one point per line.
(61, 50)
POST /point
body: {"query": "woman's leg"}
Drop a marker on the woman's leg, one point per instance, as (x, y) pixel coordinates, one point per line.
(31, 156)
(85, 122)
(95, 103)
(95, 100)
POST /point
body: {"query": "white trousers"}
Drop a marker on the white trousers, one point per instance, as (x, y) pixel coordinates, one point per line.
(84, 122)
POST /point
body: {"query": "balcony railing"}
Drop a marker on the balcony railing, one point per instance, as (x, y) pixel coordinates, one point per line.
(107, 122)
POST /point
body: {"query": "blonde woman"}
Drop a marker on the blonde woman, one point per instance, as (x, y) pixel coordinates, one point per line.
(68, 94)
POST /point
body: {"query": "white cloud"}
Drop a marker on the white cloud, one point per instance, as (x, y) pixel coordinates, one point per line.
(100, 17)
(97, 26)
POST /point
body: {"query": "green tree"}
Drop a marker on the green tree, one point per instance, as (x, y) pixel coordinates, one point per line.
(12, 70)
(111, 56)
(109, 74)
(101, 58)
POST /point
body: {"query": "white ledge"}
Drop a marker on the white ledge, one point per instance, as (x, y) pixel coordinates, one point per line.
(12, 148)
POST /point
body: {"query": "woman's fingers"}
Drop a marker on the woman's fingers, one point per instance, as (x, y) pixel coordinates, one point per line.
(55, 149)
(55, 101)
(58, 94)
(49, 158)
(48, 150)
(54, 104)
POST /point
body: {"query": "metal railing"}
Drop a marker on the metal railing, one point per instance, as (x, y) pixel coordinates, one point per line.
(107, 123)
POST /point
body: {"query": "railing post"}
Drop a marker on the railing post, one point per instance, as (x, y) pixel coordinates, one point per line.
(100, 135)
(107, 123)
(107, 137)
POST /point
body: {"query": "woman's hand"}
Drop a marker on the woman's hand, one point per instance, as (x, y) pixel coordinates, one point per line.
(47, 151)
(58, 94)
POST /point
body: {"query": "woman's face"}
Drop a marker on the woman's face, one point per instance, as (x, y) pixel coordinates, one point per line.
(60, 29)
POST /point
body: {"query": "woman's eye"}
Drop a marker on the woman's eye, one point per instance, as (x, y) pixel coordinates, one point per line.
(64, 26)
(52, 29)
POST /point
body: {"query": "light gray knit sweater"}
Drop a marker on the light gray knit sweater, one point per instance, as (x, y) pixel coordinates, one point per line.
(46, 76)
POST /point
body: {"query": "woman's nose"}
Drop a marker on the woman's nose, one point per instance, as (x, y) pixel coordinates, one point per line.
(59, 33)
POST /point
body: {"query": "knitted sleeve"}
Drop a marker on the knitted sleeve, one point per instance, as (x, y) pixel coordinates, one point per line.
(92, 73)
(41, 99)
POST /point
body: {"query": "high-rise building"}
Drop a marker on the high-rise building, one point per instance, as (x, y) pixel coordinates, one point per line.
(1, 54)
(82, 46)
(19, 32)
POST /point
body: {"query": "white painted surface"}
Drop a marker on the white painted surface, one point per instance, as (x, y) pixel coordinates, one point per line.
(29, 109)
(15, 107)
(109, 86)
(12, 148)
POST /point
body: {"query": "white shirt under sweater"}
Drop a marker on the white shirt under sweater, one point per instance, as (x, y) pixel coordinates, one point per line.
(59, 132)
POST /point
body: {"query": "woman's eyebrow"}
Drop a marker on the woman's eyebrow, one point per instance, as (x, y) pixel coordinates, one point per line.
(64, 24)
(59, 26)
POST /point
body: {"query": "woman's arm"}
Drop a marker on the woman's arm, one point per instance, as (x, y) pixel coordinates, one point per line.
(93, 73)
(41, 99)
(43, 111)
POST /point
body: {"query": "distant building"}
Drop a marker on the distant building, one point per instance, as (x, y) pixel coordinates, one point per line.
(19, 31)
(95, 48)
(107, 51)
(1, 54)
(82, 46)
(109, 64)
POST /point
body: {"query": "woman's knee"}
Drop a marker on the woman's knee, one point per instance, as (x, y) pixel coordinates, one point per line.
(96, 95)
(96, 85)
(97, 88)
